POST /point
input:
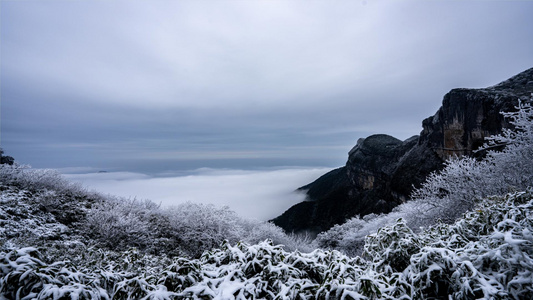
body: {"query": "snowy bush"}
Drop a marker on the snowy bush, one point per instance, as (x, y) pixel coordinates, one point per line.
(25, 177)
(200, 227)
(449, 193)
(257, 231)
(187, 229)
(120, 223)
(28, 277)
(350, 236)
(486, 254)
(391, 247)
(514, 165)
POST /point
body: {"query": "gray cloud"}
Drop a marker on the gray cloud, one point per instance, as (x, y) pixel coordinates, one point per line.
(116, 84)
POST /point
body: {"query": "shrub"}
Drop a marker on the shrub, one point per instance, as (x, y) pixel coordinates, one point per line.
(486, 254)
(24, 177)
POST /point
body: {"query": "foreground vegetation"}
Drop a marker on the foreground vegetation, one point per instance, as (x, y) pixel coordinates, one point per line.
(487, 254)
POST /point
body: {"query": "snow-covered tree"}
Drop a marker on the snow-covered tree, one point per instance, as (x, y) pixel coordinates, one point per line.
(452, 191)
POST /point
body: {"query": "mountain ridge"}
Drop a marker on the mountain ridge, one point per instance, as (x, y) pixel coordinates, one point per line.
(382, 171)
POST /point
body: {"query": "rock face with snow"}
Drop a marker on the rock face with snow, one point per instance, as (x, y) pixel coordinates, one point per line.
(381, 170)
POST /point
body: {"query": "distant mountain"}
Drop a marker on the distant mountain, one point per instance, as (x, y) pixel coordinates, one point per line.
(382, 171)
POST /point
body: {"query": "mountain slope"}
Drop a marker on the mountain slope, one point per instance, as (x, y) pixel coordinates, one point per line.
(382, 171)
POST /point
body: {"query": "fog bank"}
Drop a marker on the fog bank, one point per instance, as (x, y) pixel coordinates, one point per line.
(259, 194)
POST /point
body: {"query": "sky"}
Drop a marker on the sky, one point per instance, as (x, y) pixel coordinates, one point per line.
(157, 86)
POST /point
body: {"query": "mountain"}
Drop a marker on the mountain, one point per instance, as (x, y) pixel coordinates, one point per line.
(382, 171)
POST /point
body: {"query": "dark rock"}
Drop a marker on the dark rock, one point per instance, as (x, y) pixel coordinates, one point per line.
(322, 208)
(4, 159)
(327, 184)
(382, 171)
(379, 175)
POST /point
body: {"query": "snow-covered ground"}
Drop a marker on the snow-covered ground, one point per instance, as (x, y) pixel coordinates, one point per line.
(487, 254)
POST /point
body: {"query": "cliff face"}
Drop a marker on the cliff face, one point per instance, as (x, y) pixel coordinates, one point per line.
(467, 116)
(378, 176)
(381, 170)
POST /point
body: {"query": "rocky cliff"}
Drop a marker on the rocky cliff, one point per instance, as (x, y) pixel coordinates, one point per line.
(381, 170)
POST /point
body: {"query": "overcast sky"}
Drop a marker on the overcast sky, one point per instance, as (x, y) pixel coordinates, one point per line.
(150, 86)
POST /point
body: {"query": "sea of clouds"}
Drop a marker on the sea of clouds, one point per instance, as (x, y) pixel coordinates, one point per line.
(258, 194)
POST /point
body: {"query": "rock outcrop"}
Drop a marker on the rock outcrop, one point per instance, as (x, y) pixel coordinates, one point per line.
(4, 159)
(382, 171)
